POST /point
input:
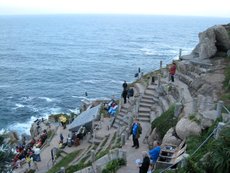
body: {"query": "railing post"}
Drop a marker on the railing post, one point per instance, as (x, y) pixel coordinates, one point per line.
(159, 80)
(161, 66)
(93, 156)
(122, 139)
(219, 108)
(177, 110)
(220, 126)
(62, 170)
(194, 105)
(180, 53)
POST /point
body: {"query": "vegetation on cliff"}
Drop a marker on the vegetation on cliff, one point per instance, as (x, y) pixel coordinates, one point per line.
(164, 122)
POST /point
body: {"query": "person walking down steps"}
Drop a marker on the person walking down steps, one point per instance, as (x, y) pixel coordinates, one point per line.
(136, 131)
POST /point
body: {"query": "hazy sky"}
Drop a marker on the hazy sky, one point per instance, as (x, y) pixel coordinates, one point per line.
(219, 8)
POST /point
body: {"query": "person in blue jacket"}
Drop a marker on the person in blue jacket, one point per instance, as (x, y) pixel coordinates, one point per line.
(136, 131)
(154, 153)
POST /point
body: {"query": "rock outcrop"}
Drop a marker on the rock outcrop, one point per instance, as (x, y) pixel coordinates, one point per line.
(186, 128)
(211, 41)
(170, 138)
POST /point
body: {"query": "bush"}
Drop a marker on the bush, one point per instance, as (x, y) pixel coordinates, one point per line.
(165, 122)
(114, 165)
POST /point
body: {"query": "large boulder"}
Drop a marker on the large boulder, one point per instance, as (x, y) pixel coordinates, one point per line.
(208, 118)
(170, 138)
(186, 127)
(206, 47)
(153, 137)
(211, 41)
(222, 38)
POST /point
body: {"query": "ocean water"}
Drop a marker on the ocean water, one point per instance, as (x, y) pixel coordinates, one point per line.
(48, 62)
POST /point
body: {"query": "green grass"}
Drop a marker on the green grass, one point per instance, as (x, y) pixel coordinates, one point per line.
(102, 153)
(165, 122)
(77, 167)
(64, 162)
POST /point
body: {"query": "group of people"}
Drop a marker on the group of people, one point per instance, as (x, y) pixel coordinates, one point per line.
(29, 152)
(111, 107)
(149, 158)
(73, 138)
(127, 92)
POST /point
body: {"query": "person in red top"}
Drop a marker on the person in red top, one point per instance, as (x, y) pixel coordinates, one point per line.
(172, 71)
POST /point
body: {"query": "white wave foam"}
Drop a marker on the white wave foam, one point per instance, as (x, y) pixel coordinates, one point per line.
(116, 81)
(148, 51)
(26, 98)
(76, 110)
(93, 81)
(23, 127)
(2, 131)
(18, 105)
(46, 98)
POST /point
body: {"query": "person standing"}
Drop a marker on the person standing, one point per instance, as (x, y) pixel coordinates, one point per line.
(144, 167)
(136, 130)
(124, 85)
(124, 95)
(154, 153)
(172, 71)
(61, 138)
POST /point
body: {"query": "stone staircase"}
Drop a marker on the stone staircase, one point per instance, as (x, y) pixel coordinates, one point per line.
(122, 116)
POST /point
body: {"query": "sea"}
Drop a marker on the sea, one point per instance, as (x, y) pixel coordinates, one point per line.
(49, 62)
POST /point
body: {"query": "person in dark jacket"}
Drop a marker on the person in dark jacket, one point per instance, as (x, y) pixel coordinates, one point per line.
(124, 95)
(144, 167)
(124, 85)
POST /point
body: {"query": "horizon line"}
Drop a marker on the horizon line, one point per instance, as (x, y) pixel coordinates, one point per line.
(111, 14)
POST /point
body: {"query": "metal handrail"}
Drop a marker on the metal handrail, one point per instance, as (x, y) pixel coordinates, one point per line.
(226, 109)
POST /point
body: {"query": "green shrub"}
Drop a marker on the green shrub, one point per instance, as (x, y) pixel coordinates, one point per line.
(165, 122)
(194, 118)
(114, 165)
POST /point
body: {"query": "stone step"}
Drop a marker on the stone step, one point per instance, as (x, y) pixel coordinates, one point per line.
(148, 97)
(145, 100)
(192, 75)
(123, 111)
(151, 93)
(148, 105)
(144, 119)
(122, 114)
(122, 119)
(144, 114)
(151, 87)
(144, 109)
(184, 78)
